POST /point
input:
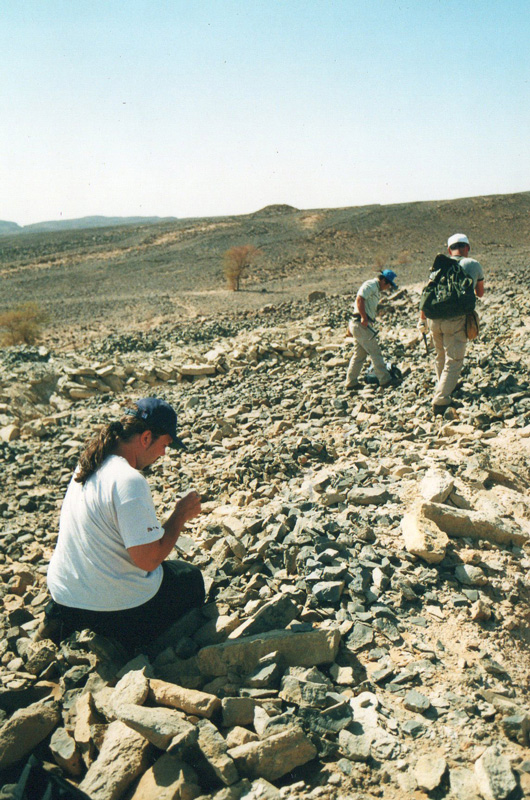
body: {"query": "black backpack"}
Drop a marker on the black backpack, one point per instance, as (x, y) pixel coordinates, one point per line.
(450, 291)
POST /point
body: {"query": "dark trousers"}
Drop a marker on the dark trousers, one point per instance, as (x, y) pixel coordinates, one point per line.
(182, 589)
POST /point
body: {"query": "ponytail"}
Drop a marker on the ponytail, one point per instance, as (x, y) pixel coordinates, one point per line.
(105, 443)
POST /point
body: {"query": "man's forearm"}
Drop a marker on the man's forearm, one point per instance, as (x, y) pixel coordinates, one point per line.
(150, 556)
(361, 308)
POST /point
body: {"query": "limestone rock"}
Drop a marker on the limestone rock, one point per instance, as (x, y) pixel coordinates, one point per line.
(86, 729)
(26, 729)
(214, 748)
(190, 701)
(473, 524)
(416, 701)
(132, 688)
(122, 758)
(197, 370)
(64, 749)
(423, 537)
(238, 711)
(306, 648)
(429, 771)
(169, 778)
(161, 726)
(463, 784)
(494, 775)
(356, 746)
(275, 756)
(368, 496)
(10, 433)
(436, 486)
(272, 615)
(40, 655)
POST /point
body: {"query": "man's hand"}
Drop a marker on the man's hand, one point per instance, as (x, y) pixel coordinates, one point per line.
(189, 506)
(365, 322)
(149, 556)
(422, 325)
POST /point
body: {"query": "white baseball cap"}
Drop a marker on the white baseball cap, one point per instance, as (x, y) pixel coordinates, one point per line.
(457, 238)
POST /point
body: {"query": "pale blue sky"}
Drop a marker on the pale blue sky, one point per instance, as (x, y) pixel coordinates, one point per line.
(212, 107)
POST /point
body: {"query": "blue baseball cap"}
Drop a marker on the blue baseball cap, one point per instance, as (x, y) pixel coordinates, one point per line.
(159, 414)
(389, 276)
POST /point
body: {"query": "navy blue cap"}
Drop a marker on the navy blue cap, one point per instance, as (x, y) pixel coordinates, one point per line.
(389, 276)
(159, 414)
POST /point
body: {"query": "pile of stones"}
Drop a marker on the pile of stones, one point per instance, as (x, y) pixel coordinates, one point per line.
(367, 626)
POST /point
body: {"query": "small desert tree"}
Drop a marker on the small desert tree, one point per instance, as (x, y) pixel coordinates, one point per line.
(22, 325)
(236, 260)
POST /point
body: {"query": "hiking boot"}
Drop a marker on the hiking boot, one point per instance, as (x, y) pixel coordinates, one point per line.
(392, 383)
(353, 387)
(49, 629)
(439, 411)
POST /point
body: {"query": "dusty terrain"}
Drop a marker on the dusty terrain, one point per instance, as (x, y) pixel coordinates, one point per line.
(424, 683)
(104, 279)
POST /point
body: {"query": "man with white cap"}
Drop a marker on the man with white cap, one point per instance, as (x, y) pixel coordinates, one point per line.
(449, 335)
(361, 328)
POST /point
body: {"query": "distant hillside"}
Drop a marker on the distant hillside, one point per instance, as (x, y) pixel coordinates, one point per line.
(79, 224)
(134, 274)
(9, 227)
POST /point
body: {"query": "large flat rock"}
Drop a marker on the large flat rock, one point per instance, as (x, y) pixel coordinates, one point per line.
(304, 649)
(474, 524)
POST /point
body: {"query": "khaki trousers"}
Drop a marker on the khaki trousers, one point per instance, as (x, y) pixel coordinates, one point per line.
(366, 344)
(450, 341)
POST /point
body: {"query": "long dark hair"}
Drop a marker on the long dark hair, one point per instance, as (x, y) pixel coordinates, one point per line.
(105, 443)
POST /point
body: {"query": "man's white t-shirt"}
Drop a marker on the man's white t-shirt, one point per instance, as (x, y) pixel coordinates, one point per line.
(91, 568)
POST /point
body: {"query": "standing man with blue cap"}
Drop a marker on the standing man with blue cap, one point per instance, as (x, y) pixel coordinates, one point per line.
(361, 328)
(110, 570)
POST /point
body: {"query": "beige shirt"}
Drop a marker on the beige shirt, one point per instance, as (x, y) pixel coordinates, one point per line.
(371, 294)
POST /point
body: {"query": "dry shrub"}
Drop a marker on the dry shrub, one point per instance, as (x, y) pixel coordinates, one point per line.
(236, 261)
(404, 257)
(22, 325)
(380, 260)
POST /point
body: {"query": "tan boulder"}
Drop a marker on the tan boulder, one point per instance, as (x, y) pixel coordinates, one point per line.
(25, 730)
(168, 779)
(190, 701)
(274, 757)
(423, 537)
(122, 758)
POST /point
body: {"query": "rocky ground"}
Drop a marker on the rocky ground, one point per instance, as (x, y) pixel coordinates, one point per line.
(367, 632)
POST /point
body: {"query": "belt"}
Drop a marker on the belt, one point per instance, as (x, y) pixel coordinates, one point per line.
(357, 317)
